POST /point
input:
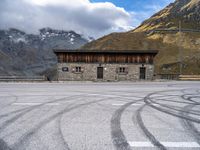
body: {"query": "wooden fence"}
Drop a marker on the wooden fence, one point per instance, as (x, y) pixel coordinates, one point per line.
(189, 77)
(178, 77)
(168, 76)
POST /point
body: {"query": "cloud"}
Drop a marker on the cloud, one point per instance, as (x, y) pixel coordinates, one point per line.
(82, 16)
(147, 10)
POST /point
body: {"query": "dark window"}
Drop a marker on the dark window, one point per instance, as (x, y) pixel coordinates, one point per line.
(122, 70)
(78, 69)
(65, 69)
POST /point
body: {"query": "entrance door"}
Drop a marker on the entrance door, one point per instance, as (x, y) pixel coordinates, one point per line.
(142, 73)
(99, 72)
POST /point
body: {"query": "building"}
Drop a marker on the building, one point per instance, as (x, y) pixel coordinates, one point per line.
(101, 65)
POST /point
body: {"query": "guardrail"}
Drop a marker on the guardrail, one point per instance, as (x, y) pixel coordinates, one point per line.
(178, 77)
(173, 30)
(22, 78)
(168, 76)
(189, 77)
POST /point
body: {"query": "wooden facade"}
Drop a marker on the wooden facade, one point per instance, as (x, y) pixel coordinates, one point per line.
(138, 57)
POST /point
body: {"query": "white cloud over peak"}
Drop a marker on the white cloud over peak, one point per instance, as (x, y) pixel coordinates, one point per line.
(82, 16)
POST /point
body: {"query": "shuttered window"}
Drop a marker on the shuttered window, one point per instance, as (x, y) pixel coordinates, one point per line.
(122, 70)
(78, 69)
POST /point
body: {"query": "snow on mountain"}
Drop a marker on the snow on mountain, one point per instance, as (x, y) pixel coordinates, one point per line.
(29, 54)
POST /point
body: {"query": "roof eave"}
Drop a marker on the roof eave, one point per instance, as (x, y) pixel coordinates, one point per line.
(104, 51)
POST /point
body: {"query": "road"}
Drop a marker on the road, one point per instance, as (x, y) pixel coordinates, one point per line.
(100, 116)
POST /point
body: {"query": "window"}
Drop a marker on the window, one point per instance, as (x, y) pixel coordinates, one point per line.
(65, 69)
(122, 70)
(78, 69)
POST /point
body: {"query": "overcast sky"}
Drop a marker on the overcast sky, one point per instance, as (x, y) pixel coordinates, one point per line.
(90, 17)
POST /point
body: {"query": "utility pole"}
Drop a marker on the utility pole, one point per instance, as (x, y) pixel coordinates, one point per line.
(180, 51)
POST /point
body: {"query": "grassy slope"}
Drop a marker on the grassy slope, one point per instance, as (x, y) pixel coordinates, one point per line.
(167, 43)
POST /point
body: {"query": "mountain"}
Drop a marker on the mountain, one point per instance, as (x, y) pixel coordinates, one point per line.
(161, 32)
(30, 55)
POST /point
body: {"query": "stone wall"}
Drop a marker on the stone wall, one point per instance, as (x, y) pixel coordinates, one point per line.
(89, 72)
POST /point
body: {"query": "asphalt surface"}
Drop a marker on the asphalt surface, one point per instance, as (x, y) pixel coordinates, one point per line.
(100, 116)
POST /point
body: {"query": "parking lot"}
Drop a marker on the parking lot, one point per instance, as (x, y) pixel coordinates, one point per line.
(100, 116)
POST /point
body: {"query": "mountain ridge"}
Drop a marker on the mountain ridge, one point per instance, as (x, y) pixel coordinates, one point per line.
(32, 54)
(169, 42)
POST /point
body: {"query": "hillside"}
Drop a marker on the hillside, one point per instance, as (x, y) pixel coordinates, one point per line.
(30, 55)
(160, 32)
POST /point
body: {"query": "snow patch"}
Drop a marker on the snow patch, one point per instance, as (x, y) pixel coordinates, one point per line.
(17, 40)
(72, 40)
(88, 38)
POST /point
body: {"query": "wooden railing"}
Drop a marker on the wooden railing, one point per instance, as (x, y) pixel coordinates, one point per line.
(189, 77)
(178, 77)
(168, 76)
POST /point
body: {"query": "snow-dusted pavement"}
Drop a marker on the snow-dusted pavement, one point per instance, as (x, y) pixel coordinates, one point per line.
(100, 116)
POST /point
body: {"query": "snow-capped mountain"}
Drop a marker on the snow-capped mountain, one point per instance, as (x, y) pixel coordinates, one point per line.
(29, 54)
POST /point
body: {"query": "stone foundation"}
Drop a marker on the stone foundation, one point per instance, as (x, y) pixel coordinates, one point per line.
(67, 72)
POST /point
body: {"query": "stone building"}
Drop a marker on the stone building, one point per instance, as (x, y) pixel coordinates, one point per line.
(94, 65)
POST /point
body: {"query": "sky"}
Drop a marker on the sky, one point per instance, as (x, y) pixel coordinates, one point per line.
(93, 18)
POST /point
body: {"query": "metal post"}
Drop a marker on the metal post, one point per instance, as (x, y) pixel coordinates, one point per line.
(180, 51)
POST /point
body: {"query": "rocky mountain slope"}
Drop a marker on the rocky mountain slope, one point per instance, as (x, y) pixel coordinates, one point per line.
(30, 55)
(161, 32)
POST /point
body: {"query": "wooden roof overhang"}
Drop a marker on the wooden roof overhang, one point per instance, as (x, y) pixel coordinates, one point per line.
(82, 51)
(105, 56)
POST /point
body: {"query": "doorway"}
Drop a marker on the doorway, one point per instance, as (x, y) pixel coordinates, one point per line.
(99, 72)
(142, 73)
